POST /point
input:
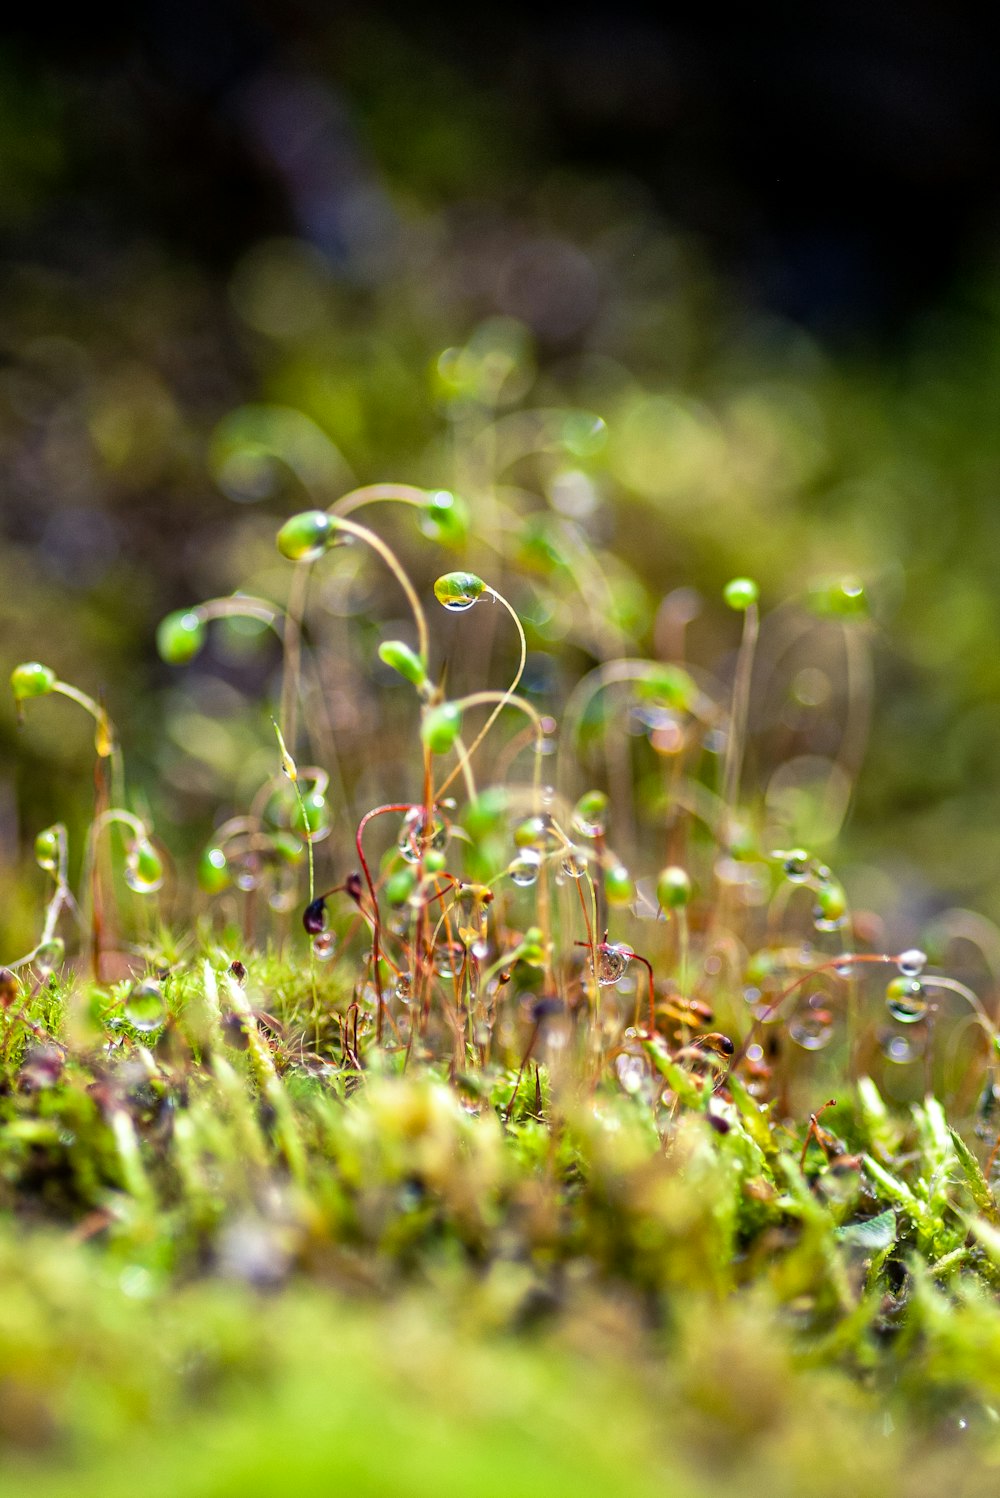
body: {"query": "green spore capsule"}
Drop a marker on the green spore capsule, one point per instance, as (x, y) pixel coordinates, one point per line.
(533, 832)
(839, 598)
(740, 593)
(401, 658)
(435, 861)
(399, 886)
(32, 680)
(673, 887)
(180, 636)
(441, 727)
(458, 591)
(143, 868)
(618, 886)
(831, 904)
(906, 1000)
(213, 871)
(671, 685)
(306, 536)
(47, 845)
(590, 815)
(484, 814)
(309, 816)
(445, 518)
(287, 847)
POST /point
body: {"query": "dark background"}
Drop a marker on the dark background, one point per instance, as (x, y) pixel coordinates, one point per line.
(839, 159)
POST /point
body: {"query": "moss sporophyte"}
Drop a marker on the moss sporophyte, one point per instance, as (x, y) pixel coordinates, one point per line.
(582, 943)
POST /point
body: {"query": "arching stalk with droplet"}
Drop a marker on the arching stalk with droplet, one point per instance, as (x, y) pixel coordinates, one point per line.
(741, 594)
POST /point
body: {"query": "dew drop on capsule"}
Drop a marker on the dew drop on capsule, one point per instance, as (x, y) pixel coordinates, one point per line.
(144, 1007)
(47, 850)
(523, 870)
(912, 962)
(906, 1000)
(143, 868)
(458, 591)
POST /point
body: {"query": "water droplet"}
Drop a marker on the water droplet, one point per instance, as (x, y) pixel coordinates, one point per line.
(48, 956)
(144, 1007)
(404, 988)
(449, 959)
(523, 870)
(323, 945)
(458, 591)
(612, 960)
(912, 962)
(47, 849)
(143, 868)
(631, 1072)
(247, 878)
(900, 1049)
(906, 1000)
(574, 864)
(480, 949)
(796, 866)
(844, 968)
(414, 837)
(811, 1027)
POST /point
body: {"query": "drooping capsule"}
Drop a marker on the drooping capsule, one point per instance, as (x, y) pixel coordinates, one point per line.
(143, 868)
(47, 848)
(305, 537)
(214, 874)
(180, 636)
(673, 887)
(458, 591)
(32, 679)
(398, 655)
(906, 1000)
(441, 726)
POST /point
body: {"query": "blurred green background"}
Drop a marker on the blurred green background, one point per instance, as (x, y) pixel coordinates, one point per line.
(767, 260)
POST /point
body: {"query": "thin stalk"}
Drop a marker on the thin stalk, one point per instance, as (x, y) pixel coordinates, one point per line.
(502, 699)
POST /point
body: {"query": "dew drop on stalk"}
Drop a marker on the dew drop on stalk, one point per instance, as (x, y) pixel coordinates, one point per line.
(844, 967)
(323, 945)
(144, 1007)
(523, 869)
(912, 962)
(906, 1000)
(574, 865)
(48, 956)
(480, 949)
(612, 960)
